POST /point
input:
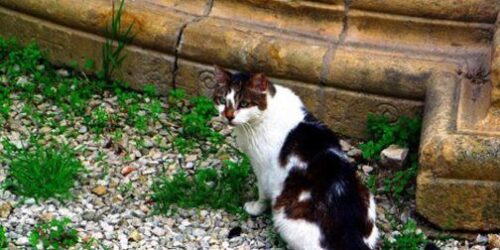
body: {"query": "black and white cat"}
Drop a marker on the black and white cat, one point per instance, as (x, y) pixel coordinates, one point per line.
(316, 198)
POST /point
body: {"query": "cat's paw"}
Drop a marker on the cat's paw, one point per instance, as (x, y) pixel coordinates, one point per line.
(255, 208)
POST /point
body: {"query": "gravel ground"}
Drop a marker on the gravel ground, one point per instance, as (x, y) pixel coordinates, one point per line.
(112, 199)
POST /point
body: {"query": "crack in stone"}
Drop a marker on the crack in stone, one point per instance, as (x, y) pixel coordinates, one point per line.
(332, 47)
(180, 35)
(330, 53)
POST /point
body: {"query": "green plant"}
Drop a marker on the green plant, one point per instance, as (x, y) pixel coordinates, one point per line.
(116, 40)
(56, 234)
(89, 64)
(410, 238)
(41, 172)
(4, 241)
(224, 189)
(275, 239)
(149, 90)
(5, 103)
(125, 189)
(175, 96)
(18, 61)
(99, 120)
(404, 132)
(398, 185)
(371, 183)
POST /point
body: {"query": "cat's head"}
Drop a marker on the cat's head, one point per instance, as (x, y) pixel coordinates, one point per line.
(241, 98)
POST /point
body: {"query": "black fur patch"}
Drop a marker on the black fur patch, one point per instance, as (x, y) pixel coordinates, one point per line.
(341, 215)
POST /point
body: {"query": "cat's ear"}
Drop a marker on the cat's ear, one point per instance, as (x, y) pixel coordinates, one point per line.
(259, 82)
(222, 76)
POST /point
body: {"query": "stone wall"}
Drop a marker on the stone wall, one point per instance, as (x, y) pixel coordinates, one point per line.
(346, 59)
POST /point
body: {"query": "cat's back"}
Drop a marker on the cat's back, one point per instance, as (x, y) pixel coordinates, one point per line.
(322, 188)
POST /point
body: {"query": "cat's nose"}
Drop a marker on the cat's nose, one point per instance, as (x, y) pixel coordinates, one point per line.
(229, 114)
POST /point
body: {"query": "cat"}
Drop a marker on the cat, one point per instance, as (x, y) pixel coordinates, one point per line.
(316, 198)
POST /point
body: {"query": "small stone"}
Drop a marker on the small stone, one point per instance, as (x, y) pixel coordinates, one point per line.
(5, 210)
(88, 215)
(191, 158)
(47, 217)
(355, 153)
(30, 201)
(135, 236)
(394, 156)
(127, 170)
(100, 190)
(481, 239)
(22, 241)
(494, 241)
(190, 165)
(45, 130)
(367, 169)
(63, 72)
(83, 130)
(22, 80)
(344, 145)
(158, 231)
(199, 232)
(148, 143)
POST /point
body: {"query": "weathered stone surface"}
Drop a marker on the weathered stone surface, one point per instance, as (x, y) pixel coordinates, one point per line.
(292, 16)
(382, 73)
(155, 25)
(495, 66)
(346, 111)
(464, 10)
(394, 156)
(459, 204)
(422, 37)
(458, 184)
(246, 48)
(63, 46)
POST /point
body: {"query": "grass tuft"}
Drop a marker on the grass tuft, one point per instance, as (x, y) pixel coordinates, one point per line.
(409, 238)
(116, 40)
(55, 234)
(41, 172)
(4, 241)
(224, 189)
(404, 132)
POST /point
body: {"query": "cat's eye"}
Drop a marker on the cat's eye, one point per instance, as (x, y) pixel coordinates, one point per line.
(244, 104)
(222, 100)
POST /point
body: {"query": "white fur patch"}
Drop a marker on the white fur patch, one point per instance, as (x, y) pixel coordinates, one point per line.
(371, 241)
(294, 161)
(299, 234)
(230, 98)
(221, 108)
(304, 195)
(261, 134)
